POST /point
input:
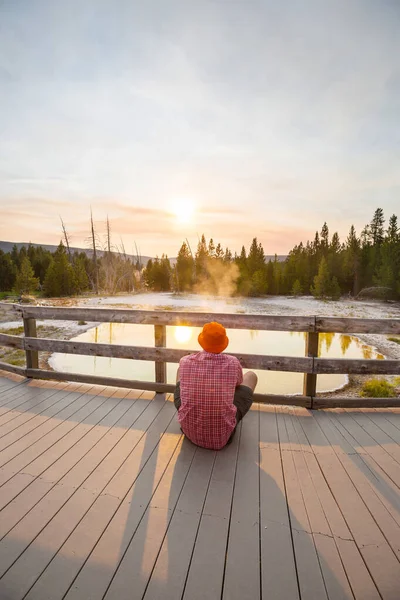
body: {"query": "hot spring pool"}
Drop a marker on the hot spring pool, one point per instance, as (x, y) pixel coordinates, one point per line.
(278, 343)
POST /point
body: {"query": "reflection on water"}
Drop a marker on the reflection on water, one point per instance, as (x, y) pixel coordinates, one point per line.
(278, 343)
(183, 334)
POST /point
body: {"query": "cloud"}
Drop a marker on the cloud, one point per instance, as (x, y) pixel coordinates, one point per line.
(262, 113)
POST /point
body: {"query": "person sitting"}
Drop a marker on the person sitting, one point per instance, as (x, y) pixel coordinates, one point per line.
(212, 395)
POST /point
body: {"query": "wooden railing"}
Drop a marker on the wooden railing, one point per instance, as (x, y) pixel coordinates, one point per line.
(310, 364)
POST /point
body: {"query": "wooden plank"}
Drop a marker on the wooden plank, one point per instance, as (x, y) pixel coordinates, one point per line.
(25, 400)
(267, 322)
(356, 365)
(17, 482)
(23, 574)
(14, 420)
(242, 571)
(7, 384)
(43, 449)
(380, 437)
(310, 577)
(12, 369)
(152, 386)
(297, 364)
(34, 436)
(278, 568)
(97, 380)
(32, 356)
(369, 488)
(54, 407)
(310, 379)
(58, 464)
(12, 341)
(162, 545)
(52, 504)
(160, 341)
(333, 573)
(150, 317)
(365, 444)
(376, 552)
(210, 547)
(75, 459)
(137, 528)
(55, 581)
(8, 307)
(29, 526)
(350, 325)
(350, 402)
(359, 577)
(10, 381)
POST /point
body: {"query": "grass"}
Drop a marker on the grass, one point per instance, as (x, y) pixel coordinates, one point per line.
(394, 339)
(378, 388)
(13, 330)
(6, 294)
(13, 357)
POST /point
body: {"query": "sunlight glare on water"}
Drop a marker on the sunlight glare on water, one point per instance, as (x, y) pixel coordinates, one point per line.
(183, 334)
(277, 343)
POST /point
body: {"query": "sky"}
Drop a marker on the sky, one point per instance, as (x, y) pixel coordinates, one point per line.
(236, 118)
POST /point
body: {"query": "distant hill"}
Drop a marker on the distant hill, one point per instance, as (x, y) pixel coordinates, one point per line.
(7, 247)
(280, 257)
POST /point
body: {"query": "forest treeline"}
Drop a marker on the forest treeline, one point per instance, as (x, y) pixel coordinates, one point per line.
(324, 267)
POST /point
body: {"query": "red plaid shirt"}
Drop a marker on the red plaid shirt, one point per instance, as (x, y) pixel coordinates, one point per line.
(207, 386)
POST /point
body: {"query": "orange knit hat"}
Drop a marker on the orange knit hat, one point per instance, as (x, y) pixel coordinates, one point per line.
(213, 338)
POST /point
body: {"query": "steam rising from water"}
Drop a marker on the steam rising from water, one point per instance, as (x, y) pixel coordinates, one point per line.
(220, 280)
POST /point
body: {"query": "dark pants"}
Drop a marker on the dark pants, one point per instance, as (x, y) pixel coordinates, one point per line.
(243, 399)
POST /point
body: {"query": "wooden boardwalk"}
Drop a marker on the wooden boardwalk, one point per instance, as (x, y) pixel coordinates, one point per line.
(102, 497)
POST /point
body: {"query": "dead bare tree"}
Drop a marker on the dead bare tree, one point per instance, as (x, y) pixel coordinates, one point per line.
(108, 236)
(138, 266)
(66, 238)
(95, 265)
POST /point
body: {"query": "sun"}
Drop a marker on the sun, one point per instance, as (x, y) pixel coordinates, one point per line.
(184, 209)
(183, 334)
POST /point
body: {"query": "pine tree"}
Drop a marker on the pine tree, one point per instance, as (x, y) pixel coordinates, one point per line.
(297, 289)
(184, 269)
(322, 281)
(26, 281)
(148, 275)
(228, 255)
(277, 275)
(393, 231)
(256, 258)
(15, 256)
(201, 258)
(211, 248)
(324, 238)
(258, 283)
(81, 278)
(270, 277)
(351, 261)
(8, 272)
(334, 290)
(60, 277)
(219, 251)
(376, 227)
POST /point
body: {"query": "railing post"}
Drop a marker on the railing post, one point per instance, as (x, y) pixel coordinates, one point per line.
(160, 338)
(310, 379)
(32, 356)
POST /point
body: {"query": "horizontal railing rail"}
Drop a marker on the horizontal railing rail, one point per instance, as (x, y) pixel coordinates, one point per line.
(310, 365)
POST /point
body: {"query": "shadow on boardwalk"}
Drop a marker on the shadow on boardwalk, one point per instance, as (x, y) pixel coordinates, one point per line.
(293, 508)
